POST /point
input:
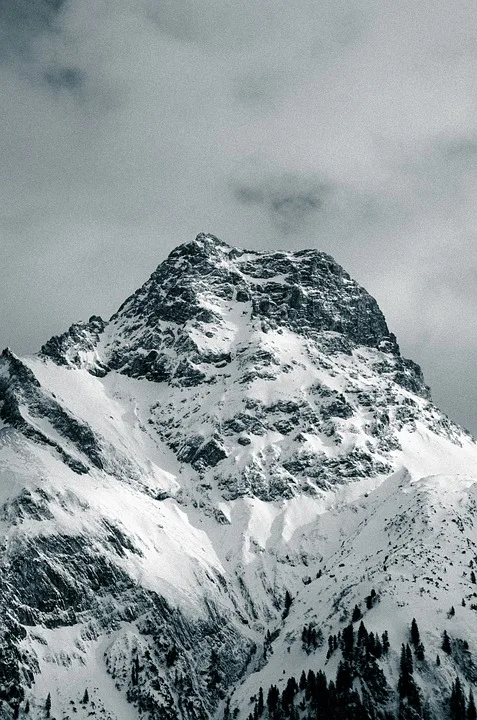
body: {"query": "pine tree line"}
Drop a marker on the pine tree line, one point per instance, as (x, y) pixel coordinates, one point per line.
(360, 690)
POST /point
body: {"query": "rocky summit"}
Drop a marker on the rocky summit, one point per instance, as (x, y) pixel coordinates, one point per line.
(234, 499)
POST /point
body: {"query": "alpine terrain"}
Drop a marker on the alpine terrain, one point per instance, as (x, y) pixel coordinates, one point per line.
(235, 499)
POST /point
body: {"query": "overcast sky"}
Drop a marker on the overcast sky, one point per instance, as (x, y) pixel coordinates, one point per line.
(129, 126)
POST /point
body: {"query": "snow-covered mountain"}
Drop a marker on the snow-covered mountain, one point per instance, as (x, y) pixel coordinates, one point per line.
(199, 496)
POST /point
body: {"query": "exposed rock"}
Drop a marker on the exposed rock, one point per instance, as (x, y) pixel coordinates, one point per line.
(77, 346)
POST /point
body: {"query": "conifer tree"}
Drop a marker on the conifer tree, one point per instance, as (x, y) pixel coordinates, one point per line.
(321, 693)
(362, 635)
(347, 641)
(415, 637)
(272, 699)
(403, 663)
(371, 599)
(409, 662)
(457, 701)
(378, 648)
(344, 679)
(48, 705)
(310, 685)
(471, 710)
(260, 703)
(371, 644)
(331, 695)
(420, 654)
(288, 694)
(446, 645)
(171, 656)
(410, 701)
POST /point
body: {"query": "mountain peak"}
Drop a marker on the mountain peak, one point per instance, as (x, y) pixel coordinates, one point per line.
(266, 334)
(196, 288)
(210, 243)
(204, 245)
(207, 295)
(267, 345)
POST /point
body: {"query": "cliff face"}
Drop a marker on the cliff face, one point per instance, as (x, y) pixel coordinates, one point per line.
(283, 360)
(243, 424)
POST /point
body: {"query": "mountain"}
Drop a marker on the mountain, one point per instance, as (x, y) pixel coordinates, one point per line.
(235, 480)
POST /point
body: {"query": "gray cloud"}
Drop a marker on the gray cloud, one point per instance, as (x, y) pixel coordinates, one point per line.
(292, 202)
(129, 127)
(64, 78)
(22, 20)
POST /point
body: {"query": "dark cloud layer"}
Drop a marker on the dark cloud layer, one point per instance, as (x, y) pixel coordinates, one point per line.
(129, 127)
(290, 202)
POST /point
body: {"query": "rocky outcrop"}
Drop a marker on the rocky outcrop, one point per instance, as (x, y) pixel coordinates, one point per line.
(306, 292)
(77, 346)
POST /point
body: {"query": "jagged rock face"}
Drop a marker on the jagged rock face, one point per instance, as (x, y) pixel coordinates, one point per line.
(257, 340)
(77, 344)
(244, 425)
(233, 326)
(61, 581)
(182, 304)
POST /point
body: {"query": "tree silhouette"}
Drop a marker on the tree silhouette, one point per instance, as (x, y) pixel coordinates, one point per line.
(446, 645)
(260, 703)
(48, 705)
(471, 711)
(457, 701)
(415, 637)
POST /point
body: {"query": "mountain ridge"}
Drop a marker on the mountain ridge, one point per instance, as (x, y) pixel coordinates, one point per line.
(214, 464)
